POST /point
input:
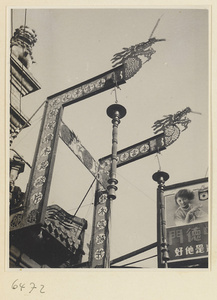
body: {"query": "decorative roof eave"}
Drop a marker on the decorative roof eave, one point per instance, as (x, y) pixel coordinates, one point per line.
(19, 71)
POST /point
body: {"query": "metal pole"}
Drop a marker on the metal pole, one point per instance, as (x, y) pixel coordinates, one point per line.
(161, 177)
(100, 249)
(115, 112)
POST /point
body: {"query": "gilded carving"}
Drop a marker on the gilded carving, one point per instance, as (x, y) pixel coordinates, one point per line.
(101, 224)
(99, 254)
(36, 198)
(48, 138)
(33, 216)
(45, 151)
(144, 148)
(52, 113)
(43, 165)
(134, 152)
(51, 125)
(103, 198)
(39, 181)
(124, 156)
(17, 219)
(102, 211)
(100, 238)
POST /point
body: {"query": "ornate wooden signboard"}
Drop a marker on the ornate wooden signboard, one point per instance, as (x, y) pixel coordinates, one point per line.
(41, 173)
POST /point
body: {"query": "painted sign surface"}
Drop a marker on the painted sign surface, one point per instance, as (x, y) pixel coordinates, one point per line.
(186, 207)
(71, 140)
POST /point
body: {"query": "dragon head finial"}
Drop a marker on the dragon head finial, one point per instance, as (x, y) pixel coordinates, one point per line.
(171, 125)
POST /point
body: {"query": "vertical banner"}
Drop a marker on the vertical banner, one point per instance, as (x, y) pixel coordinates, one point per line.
(40, 178)
(186, 207)
(99, 249)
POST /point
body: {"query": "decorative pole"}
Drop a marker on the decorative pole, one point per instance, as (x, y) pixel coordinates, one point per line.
(115, 112)
(99, 256)
(161, 177)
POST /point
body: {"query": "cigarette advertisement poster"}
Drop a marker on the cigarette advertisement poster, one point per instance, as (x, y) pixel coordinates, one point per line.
(186, 209)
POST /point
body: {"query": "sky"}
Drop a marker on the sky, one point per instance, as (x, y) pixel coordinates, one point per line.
(75, 45)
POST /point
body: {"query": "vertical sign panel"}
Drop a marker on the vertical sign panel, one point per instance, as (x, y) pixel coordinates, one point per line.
(41, 173)
(99, 250)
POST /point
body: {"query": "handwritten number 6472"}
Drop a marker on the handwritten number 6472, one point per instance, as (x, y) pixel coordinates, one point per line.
(16, 285)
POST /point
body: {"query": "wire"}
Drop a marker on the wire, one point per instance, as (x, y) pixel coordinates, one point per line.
(115, 90)
(25, 17)
(87, 213)
(32, 127)
(135, 186)
(91, 204)
(84, 197)
(139, 260)
(12, 22)
(33, 114)
(206, 172)
(155, 28)
(81, 207)
(22, 158)
(12, 31)
(21, 82)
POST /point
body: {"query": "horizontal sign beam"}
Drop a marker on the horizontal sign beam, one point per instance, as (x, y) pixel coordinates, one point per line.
(137, 151)
(90, 87)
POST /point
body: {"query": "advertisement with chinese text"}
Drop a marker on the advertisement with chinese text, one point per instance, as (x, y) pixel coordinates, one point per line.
(186, 207)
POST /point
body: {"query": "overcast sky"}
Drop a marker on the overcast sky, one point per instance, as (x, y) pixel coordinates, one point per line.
(75, 45)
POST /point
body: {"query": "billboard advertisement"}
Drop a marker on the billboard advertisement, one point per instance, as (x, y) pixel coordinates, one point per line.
(186, 212)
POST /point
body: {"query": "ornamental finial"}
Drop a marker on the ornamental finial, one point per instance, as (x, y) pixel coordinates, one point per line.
(22, 42)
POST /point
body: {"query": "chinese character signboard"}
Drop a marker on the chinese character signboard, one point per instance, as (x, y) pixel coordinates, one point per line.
(186, 209)
(137, 151)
